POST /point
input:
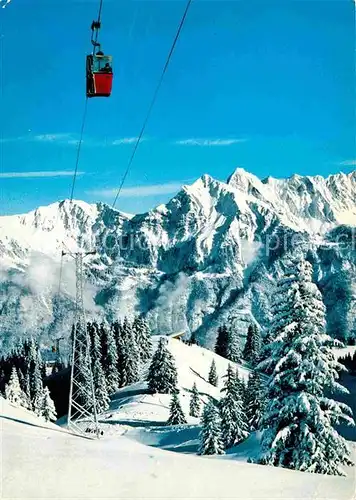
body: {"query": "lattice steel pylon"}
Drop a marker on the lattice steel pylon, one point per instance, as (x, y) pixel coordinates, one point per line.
(82, 415)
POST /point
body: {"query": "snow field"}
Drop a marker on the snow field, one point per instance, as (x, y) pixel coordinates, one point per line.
(43, 461)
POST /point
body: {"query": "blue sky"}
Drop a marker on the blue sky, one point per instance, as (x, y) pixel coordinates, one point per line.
(264, 85)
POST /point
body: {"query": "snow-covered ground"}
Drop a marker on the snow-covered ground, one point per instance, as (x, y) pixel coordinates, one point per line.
(44, 461)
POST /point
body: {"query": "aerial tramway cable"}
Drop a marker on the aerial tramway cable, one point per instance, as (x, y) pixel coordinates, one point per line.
(96, 24)
(79, 149)
(79, 146)
(95, 27)
(152, 102)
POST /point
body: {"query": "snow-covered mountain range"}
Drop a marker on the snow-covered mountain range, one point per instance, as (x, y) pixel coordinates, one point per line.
(212, 254)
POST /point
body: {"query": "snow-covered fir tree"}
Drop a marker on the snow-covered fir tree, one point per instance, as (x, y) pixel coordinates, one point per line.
(213, 376)
(299, 420)
(233, 350)
(128, 355)
(27, 392)
(252, 347)
(162, 373)
(211, 441)
(116, 329)
(109, 357)
(48, 410)
(233, 419)
(13, 391)
(34, 369)
(242, 386)
(255, 401)
(142, 337)
(194, 404)
(95, 342)
(101, 393)
(100, 387)
(176, 414)
(25, 387)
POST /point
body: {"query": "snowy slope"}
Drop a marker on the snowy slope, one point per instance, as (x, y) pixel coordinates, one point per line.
(39, 462)
(212, 254)
(134, 406)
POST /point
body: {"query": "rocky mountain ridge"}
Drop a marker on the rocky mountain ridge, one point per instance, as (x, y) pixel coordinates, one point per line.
(211, 254)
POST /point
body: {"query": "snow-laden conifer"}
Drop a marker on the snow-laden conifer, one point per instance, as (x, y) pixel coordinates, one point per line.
(48, 410)
(95, 343)
(34, 363)
(255, 401)
(162, 373)
(242, 386)
(233, 351)
(100, 387)
(213, 376)
(13, 391)
(252, 347)
(194, 404)
(142, 337)
(233, 418)
(102, 398)
(128, 355)
(176, 414)
(27, 391)
(25, 387)
(299, 420)
(211, 442)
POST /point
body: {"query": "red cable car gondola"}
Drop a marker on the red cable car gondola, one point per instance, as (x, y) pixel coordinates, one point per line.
(99, 74)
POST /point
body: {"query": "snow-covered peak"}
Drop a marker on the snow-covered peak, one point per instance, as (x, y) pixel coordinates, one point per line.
(66, 211)
(194, 253)
(212, 212)
(307, 202)
(242, 180)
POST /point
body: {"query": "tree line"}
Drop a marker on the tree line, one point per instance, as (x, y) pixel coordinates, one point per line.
(117, 352)
(21, 380)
